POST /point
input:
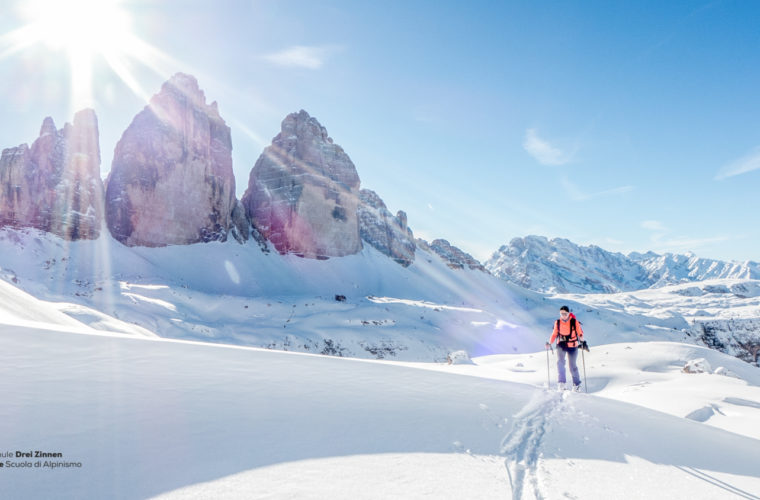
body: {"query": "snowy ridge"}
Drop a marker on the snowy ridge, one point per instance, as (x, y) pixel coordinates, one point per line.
(560, 266)
(671, 269)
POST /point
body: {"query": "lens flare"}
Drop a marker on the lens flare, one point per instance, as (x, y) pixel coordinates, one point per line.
(85, 31)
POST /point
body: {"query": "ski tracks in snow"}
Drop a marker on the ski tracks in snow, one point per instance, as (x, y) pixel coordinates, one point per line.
(522, 445)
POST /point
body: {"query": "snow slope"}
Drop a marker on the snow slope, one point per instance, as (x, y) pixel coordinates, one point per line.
(721, 314)
(650, 374)
(21, 309)
(173, 419)
(236, 294)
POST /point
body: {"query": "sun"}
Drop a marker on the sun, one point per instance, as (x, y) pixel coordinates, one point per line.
(83, 31)
(94, 26)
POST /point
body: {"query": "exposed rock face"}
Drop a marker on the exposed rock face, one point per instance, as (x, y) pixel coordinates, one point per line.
(55, 185)
(454, 257)
(379, 228)
(241, 226)
(737, 337)
(303, 192)
(171, 181)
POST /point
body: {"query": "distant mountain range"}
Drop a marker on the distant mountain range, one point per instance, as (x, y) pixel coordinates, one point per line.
(560, 266)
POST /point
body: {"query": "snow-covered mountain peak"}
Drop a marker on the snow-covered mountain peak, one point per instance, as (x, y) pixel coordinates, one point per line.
(558, 265)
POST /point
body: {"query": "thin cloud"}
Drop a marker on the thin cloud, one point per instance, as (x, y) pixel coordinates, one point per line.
(301, 56)
(654, 225)
(678, 245)
(743, 165)
(617, 190)
(573, 191)
(542, 151)
(577, 194)
(695, 242)
(664, 243)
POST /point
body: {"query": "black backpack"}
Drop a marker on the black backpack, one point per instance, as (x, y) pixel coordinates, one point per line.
(573, 330)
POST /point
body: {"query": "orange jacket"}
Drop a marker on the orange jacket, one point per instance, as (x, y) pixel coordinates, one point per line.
(564, 329)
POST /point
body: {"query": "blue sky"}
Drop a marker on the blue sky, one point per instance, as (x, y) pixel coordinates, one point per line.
(629, 125)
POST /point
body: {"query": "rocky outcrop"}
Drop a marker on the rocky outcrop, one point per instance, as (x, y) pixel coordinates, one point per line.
(384, 231)
(303, 192)
(738, 337)
(171, 181)
(453, 256)
(240, 228)
(55, 185)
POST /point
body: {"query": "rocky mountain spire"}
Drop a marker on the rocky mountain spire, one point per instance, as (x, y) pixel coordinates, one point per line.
(171, 181)
(55, 185)
(303, 192)
(454, 257)
(384, 231)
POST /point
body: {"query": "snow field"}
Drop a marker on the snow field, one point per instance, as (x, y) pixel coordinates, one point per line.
(149, 417)
(650, 374)
(174, 420)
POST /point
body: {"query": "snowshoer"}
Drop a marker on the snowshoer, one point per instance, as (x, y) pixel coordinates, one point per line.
(569, 335)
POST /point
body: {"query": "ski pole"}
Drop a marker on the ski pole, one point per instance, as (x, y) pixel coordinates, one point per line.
(548, 375)
(583, 357)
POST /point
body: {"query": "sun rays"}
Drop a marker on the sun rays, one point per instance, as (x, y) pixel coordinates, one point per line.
(86, 32)
(69, 41)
